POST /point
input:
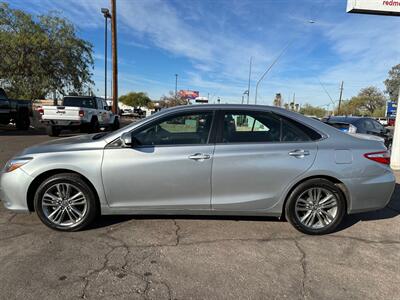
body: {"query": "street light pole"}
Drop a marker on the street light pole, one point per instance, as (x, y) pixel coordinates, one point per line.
(107, 15)
(248, 86)
(269, 68)
(176, 86)
(114, 56)
(274, 62)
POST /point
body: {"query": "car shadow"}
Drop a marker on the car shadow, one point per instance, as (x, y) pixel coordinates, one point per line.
(390, 211)
(110, 220)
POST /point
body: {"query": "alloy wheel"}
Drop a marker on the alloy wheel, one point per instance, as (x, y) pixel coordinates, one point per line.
(64, 204)
(316, 208)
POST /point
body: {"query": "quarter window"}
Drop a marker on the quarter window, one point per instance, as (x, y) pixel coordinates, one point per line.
(184, 129)
(258, 127)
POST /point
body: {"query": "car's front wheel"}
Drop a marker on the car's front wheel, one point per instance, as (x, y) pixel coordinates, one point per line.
(316, 206)
(65, 202)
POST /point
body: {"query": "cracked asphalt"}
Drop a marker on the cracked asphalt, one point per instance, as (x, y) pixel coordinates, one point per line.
(153, 257)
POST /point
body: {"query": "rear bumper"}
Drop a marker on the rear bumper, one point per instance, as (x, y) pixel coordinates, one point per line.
(64, 123)
(14, 190)
(369, 193)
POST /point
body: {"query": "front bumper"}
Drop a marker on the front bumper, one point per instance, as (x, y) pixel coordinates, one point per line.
(370, 193)
(14, 190)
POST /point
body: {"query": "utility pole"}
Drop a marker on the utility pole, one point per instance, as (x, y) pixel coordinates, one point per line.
(114, 56)
(340, 98)
(248, 86)
(105, 59)
(107, 16)
(176, 86)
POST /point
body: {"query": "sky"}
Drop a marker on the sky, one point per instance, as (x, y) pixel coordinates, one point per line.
(208, 43)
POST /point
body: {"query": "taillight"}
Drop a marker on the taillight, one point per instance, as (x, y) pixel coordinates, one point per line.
(41, 111)
(81, 113)
(382, 157)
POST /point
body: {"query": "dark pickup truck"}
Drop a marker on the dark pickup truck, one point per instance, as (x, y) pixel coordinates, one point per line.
(15, 111)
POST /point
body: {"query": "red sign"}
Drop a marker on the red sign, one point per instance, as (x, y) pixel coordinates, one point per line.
(188, 94)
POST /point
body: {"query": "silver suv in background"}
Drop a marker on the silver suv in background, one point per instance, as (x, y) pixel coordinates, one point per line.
(209, 160)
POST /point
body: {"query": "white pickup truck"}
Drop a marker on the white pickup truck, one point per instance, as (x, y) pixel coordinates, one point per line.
(86, 113)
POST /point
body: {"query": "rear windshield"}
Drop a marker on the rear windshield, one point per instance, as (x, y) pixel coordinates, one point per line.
(340, 126)
(79, 102)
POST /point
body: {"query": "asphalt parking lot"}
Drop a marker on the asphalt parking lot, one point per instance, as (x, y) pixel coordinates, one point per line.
(126, 257)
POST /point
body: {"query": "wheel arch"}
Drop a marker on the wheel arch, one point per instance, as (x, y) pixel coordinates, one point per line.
(43, 176)
(334, 180)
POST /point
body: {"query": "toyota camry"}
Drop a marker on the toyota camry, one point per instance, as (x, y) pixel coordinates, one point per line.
(203, 159)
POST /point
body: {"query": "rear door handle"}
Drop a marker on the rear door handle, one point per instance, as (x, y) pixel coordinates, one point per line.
(300, 153)
(199, 156)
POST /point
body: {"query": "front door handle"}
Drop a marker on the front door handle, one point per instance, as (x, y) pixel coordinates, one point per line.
(300, 153)
(199, 156)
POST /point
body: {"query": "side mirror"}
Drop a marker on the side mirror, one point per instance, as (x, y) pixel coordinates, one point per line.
(128, 140)
(107, 107)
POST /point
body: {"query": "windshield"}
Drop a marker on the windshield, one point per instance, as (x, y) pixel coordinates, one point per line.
(79, 102)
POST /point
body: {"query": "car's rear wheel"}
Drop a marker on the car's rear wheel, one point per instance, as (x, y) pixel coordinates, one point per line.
(23, 122)
(53, 131)
(65, 202)
(316, 206)
(94, 126)
(116, 124)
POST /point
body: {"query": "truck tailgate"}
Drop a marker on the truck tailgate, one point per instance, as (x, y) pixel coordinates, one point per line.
(61, 113)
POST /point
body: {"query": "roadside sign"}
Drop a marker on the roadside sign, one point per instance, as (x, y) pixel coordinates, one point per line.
(391, 109)
(374, 7)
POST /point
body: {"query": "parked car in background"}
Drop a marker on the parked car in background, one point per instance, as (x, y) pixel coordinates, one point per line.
(360, 125)
(204, 159)
(15, 111)
(87, 113)
(383, 121)
(127, 112)
(391, 122)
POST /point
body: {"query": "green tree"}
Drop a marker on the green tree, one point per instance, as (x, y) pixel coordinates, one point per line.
(348, 107)
(369, 100)
(42, 54)
(392, 83)
(136, 99)
(172, 100)
(309, 110)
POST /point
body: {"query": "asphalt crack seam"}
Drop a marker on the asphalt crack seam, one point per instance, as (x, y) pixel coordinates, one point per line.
(106, 266)
(178, 228)
(304, 269)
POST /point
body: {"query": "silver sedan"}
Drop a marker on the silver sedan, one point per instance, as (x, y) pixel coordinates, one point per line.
(204, 159)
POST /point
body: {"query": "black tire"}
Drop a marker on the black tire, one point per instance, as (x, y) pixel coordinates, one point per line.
(326, 185)
(94, 126)
(73, 179)
(53, 131)
(23, 123)
(116, 124)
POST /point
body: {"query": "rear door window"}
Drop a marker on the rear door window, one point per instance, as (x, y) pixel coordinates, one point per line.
(263, 127)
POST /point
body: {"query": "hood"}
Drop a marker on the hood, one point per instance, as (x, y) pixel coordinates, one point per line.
(75, 143)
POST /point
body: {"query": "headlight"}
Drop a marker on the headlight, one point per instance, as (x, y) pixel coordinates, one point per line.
(16, 163)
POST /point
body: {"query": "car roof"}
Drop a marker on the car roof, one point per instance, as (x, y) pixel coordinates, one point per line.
(345, 119)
